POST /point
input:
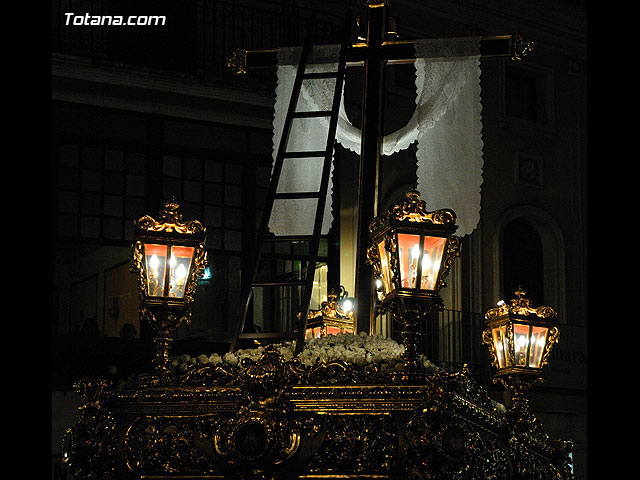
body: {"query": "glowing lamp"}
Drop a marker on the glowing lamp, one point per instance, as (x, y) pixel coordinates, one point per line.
(519, 338)
(411, 254)
(412, 249)
(168, 257)
(335, 316)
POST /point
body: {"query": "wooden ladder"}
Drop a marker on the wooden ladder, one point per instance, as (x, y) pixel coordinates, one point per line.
(273, 193)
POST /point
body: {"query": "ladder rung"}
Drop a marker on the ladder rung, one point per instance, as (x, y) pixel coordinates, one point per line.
(279, 283)
(290, 195)
(308, 154)
(318, 113)
(320, 75)
(288, 238)
(260, 335)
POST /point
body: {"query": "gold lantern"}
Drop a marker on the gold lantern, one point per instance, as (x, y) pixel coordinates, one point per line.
(519, 338)
(169, 257)
(335, 316)
(411, 254)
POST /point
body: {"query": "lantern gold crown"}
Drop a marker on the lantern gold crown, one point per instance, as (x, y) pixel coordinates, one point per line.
(521, 305)
(412, 209)
(170, 220)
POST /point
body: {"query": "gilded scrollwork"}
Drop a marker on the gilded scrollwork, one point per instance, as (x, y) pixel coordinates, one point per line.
(552, 338)
(357, 444)
(520, 47)
(236, 61)
(454, 250)
(413, 209)
(391, 246)
(278, 419)
(521, 305)
(159, 445)
(170, 220)
(487, 340)
(441, 442)
(373, 259)
(90, 447)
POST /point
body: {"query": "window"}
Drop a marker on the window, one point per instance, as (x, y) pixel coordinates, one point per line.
(526, 94)
(210, 191)
(522, 261)
(100, 190)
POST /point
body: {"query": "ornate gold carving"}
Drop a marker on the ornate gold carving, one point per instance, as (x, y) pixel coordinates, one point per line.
(412, 209)
(237, 61)
(520, 47)
(170, 220)
(520, 305)
(454, 249)
(373, 259)
(378, 3)
(159, 445)
(488, 341)
(277, 419)
(357, 444)
(91, 445)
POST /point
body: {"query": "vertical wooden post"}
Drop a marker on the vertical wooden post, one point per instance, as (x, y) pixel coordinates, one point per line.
(369, 182)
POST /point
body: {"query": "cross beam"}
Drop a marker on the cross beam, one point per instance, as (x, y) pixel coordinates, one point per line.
(374, 53)
(393, 53)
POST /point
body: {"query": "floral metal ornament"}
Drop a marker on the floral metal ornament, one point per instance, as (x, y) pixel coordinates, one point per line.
(519, 338)
(237, 61)
(168, 258)
(520, 47)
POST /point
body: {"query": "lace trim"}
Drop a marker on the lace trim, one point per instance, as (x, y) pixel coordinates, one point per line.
(446, 123)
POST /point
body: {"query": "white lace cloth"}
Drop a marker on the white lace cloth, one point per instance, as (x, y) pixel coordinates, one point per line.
(446, 124)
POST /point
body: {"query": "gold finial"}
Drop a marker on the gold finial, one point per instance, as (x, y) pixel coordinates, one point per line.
(170, 220)
(413, 209)
(520, 47)
(521, 305)
(237, 61)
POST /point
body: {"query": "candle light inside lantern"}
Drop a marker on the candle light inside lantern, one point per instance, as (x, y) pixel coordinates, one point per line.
(415, 254)
(155, 262)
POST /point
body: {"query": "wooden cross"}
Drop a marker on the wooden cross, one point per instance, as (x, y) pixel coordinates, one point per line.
(377, 50)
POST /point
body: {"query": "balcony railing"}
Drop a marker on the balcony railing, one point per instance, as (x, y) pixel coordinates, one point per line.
(196, 37)
(452, 338)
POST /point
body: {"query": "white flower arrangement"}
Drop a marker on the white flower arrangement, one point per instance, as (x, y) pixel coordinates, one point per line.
(361, 350)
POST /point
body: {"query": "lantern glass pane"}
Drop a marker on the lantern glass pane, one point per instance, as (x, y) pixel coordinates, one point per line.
(333, 330)
(179, 265)
(155, 264)
(408, 256)
(386, 270)
(538, 342)
(312, 333)
(521, 344)
(498, 343)
(506, 342)
(431, 261)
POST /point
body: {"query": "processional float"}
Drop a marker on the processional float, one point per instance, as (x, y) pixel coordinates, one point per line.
(278, 414)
